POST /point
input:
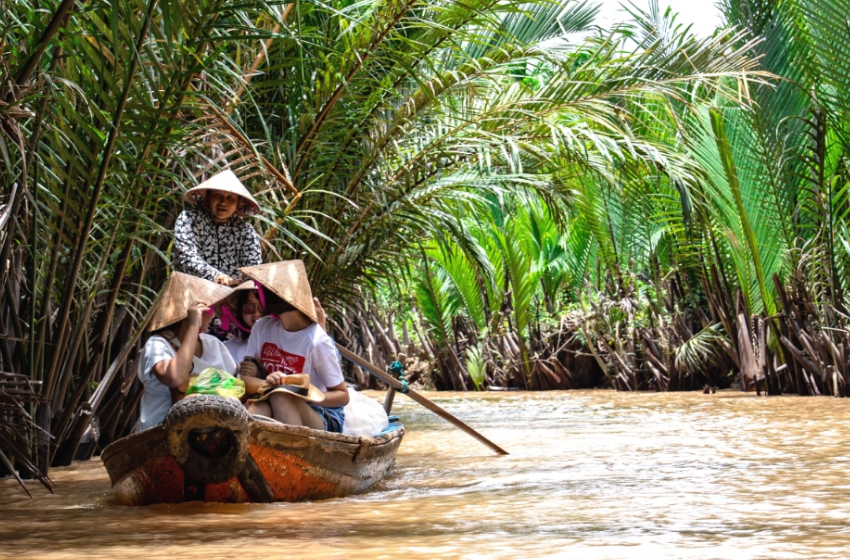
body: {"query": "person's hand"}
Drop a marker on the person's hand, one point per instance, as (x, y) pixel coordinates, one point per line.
(196, 312)
(320, 314)
(276, 378)
(248, 368)
(234, 282)
(223, 279)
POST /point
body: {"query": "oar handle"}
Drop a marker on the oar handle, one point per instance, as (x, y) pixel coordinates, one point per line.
(394, 383)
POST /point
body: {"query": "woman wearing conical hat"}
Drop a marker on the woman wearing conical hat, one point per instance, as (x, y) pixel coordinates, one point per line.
(177, 350)
(213, 240)
(288, 343)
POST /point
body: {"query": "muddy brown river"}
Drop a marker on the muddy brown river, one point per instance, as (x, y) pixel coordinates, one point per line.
(593, 474)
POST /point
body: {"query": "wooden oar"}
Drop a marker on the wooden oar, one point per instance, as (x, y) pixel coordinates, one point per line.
(394, 383)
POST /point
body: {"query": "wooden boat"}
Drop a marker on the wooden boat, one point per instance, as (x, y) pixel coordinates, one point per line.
(210, 448)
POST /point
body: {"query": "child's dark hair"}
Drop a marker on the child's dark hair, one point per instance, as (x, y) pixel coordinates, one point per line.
(276, 305)
(241, 300)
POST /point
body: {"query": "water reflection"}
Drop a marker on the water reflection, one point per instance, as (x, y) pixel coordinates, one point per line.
(591, 475)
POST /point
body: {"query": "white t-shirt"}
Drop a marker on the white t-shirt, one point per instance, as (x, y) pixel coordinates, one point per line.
(309, 350)
(237, 347)
(156, 400)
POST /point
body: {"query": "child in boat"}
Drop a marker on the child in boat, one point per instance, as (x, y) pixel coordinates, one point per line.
(242, 310)
(292, 342)
(178, 349)
(212, 240)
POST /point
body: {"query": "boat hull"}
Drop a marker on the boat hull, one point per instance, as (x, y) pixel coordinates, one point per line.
(283, 463)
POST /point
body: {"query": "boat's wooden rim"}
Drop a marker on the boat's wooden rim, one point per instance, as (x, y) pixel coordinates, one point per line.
(262, 426)
(153, 435)
(279, 428)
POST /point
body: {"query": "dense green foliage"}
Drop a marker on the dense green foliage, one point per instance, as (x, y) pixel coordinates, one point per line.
(677, 201)
(502, 178)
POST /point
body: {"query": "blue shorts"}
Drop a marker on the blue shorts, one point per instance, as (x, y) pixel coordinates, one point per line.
(332, 417)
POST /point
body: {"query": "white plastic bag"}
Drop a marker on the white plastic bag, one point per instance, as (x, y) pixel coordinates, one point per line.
(363, 416)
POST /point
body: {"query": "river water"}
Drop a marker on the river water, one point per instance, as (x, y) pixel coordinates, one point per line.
(592, 474)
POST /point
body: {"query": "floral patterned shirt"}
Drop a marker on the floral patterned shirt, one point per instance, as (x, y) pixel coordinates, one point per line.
(205, 249)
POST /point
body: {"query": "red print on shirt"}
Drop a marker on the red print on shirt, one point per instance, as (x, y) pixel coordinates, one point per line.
(275, 359)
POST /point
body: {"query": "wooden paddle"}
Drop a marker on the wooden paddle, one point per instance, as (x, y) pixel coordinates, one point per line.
(394, 383)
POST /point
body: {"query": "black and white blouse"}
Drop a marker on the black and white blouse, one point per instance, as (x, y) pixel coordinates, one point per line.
(205, 249)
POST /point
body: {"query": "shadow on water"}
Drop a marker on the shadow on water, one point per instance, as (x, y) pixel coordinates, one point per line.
(591, 474)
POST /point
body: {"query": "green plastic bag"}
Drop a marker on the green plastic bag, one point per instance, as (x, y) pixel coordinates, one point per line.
(214, 381)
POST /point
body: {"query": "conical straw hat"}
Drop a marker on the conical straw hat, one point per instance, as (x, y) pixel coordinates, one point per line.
(246, 287)
(287, 279)
(225, 181)
(181, 291)
(297, 385)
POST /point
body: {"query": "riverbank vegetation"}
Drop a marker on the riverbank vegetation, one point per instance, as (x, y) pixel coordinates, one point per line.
(506, 193)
